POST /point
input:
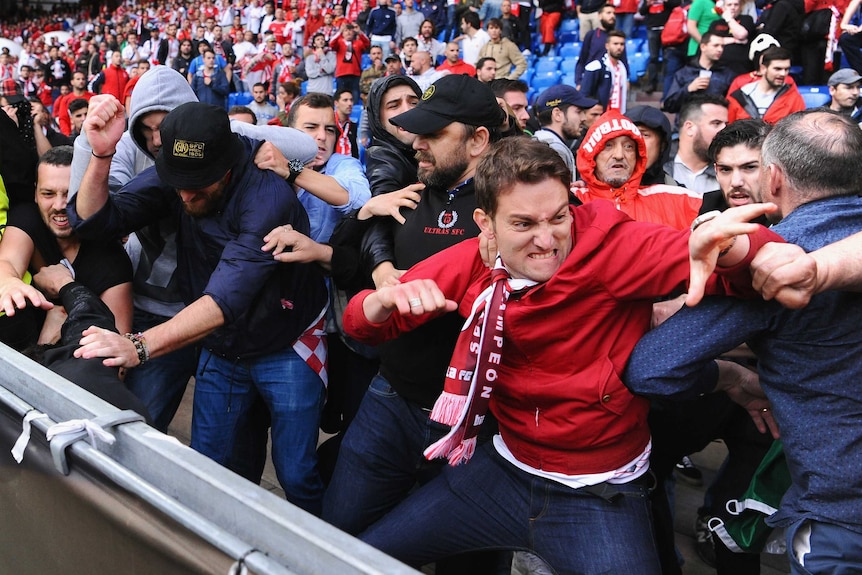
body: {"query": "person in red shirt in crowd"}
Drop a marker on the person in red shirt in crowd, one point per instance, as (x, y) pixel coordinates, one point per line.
(313, 22)
(279, 27)
(114, 77)
(61, 106)
(349, 45)
(454, 63)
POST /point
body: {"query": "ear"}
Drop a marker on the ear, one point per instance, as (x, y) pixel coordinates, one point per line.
(485, 222)
(775, 180)
(479, 142)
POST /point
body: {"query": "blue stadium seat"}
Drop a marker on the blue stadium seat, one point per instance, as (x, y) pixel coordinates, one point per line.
(567, 66)
(238, 99)
(366, 61)
(546, 80)
(570, 25)
(568, 37)
(815, 96)
(634, 45)
(637, 65)
(570, 50)
(547, 64)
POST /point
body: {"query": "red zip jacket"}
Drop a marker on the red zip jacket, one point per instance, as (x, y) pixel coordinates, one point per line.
(559, 399)
(361, 43)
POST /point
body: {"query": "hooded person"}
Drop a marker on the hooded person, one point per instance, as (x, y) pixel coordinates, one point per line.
(658, 126)
(390, 160)
(612, 161)
(160, 383)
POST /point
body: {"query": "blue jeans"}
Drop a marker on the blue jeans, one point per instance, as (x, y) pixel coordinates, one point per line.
(451, 22)
(490, 504)
(161, 382)
(380, 458)
(675, 59)
(225, 390)
(626, 23)
(834, 549)
(348, 82)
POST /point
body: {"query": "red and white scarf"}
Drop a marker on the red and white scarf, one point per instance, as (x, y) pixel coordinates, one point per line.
(472, 372)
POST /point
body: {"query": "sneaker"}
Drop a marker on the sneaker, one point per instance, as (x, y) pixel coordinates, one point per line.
(703, 544)
(526, 52)
(686, 471)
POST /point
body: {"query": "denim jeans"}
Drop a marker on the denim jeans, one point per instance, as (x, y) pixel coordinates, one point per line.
(161, 382)
(674, 59)
(626, 23)
(225, 390)
(835, 550)
(490, 504)
(380, 458)
(851, 44)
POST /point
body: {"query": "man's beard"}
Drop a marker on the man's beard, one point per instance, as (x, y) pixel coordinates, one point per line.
(442, 178)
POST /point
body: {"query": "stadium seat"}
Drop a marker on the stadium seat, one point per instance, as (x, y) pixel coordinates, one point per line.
(570, 25)
(637, 65)
(568, 37)
(815, 96)
(546, 64)
(542, 81)
(634, 45)
(238, 99)
(570, 50)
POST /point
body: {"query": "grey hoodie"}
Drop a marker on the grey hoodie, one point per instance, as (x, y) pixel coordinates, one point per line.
(153, 249)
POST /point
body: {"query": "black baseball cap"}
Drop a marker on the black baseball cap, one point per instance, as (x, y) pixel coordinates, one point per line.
(452, 98)
(198, 147)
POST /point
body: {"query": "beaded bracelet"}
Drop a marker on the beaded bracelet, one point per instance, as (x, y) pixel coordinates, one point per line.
(140, 346)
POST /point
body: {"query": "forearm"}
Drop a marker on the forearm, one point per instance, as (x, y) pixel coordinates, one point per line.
(93, 191)
(321, 186)
(192, 324)
(839, 265)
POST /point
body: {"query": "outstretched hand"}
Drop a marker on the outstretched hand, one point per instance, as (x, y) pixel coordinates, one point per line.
(710, 238)
(116, 349)
(390, 204)
(416, 297)
(290, 246)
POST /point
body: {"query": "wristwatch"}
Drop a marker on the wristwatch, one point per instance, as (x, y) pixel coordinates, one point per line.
(296, 168)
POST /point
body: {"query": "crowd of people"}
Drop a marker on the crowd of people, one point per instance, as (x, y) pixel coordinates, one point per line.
(409, 283)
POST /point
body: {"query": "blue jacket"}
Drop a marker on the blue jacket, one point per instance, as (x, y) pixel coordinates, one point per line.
(809, 365)
(597, 80)
(216, 93)
(266, 304)
(593, 49)
(678, 94)
(382, 22)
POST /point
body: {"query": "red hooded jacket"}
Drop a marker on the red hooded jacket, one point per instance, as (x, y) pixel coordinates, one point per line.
(673, 206)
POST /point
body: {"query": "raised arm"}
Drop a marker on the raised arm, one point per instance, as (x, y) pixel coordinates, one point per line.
(103, 127)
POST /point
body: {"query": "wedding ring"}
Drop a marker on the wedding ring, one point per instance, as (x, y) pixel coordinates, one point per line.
(765, 409)
(415, 302)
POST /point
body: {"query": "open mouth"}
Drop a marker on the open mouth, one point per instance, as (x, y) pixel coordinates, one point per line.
(544, 256)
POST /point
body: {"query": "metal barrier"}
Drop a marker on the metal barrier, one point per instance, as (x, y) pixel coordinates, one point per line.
(144, 504)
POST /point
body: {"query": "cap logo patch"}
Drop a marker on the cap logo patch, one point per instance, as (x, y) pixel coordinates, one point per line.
(553, 103)
(186, 149)
(429, 91)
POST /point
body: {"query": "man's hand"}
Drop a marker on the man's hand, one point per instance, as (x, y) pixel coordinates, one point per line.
(290, 246)
(700, 83)
(786, 273)
(116, 349)
(710, 238)
(742, 386)
(663, 310)
(385, 274)
(389, 204)
(105, 124)
(417, 297)
(15, 295)
(269, 157)
(51, 279)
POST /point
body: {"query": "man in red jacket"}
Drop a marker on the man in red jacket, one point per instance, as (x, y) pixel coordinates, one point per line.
(114, 77)
(567, 476)
(770, 98)
(349, 45)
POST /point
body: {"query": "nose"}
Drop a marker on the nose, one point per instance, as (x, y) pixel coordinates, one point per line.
(60, 201)
(419, 143)
(186, 195)
(157, 139)
(736, 179)
(543, 238)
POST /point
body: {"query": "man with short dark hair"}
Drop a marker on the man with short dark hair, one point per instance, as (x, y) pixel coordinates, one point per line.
(77, 114)
(346, 142)
(560, 111)
(61, 104)
(242, 114)
(473, 37)
(700, 119)
(607, 79)
(770, 98)
(514, 93)
(454, 63)
(844, 89)
(486, 70)
(576, 499)
(593, 46)
(260, 105)
(702, 75)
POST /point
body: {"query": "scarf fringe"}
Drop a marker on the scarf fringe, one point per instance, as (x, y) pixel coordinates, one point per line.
(449, 408)
(463, 452)
(444, 446)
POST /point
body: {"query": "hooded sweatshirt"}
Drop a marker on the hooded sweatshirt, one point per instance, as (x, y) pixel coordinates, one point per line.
(153, 249)
(390, 166)
(661, 204)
